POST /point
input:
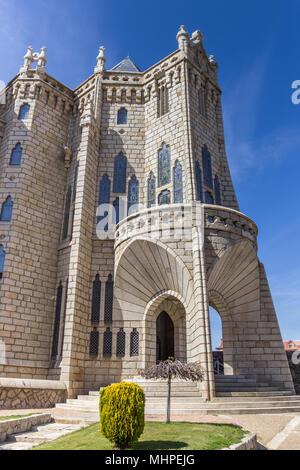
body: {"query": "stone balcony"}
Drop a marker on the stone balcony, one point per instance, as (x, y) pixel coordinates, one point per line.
(175, 221)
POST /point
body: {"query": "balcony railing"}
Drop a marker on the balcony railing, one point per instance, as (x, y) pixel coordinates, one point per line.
(175, 221)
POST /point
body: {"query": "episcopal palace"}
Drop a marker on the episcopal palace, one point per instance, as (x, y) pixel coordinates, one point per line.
(120, 227)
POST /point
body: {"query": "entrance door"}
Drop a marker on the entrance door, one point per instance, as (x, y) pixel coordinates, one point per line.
(164, 337)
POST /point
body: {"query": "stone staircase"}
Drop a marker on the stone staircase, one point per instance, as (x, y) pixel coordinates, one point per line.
(38, 435)
(234, 395)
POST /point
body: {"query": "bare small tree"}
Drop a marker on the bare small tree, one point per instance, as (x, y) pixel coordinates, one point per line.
(171, 369)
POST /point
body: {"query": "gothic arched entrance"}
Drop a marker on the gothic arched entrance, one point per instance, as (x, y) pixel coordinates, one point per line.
(164, 337)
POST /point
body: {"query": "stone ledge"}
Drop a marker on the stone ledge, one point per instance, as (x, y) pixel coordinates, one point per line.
(32, 383)
(248, 442)
(31, 394)
(12, 426)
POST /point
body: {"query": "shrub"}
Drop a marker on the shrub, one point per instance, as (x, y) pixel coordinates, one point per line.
(122, 413)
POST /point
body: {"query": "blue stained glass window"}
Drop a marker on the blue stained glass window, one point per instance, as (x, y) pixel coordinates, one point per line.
(122, 116)
(2, 259)
(151, 190)
(164, 197)
(104, 192)
(217, 191)
(6, 211)
(177, 177)
(120, 173)
(133, 194)
(16, 155)
(207, 171)
(104, 197)
(208, 198)
(24, 111)
(198, 177)
(164, 165)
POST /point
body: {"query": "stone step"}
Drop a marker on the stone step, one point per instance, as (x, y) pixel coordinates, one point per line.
(18, 445)
(155, 412)
(252, 393)
(43, 433)
(224, 388)
(252, 404)
(260, 398)
(229, 378)
(86, 419)
(176, 387)
(194, 406)
(162, 394)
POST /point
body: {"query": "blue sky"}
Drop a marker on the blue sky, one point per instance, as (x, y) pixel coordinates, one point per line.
(255, 43)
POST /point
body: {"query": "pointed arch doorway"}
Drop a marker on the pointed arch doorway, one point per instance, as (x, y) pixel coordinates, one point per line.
(164, 337)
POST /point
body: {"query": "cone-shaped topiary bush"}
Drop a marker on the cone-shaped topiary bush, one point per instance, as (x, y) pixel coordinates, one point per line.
(122, 409)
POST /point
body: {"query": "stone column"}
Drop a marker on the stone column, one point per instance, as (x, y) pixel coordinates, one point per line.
(76, 344)
(202, 332)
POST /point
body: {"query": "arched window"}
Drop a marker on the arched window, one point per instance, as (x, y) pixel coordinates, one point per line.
(104, 191)
(207, 171)
(24, 111)
(6, 211)
(2, 260)
(104, 197)
(198, 177)
(121, 343)
(94, 343)
(164, 165)
(107, 343)
(217, 191)
(67, 213)
(151, 190)
(120, 173)
(122, 116)
(134, 343)
(57, 321)
(133, 195)
(109, 299)
(16, 155)
(164, 197)
(163, 101)
(208, 198)
(96, 299)
(177, 181)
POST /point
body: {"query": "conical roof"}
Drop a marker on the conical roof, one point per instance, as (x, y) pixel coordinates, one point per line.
(126, 66)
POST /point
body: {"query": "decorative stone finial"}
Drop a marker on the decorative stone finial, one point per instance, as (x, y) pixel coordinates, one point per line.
(101, 59)
(31, 57)
(182, 37)
(197, 37)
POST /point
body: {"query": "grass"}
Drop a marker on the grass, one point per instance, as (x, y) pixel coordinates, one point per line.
(5, 418)
(157, 436)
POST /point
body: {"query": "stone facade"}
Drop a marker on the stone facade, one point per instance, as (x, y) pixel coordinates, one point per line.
(81, 302)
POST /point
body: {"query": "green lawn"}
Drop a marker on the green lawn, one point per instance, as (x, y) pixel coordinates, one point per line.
(5, 418)
(157, 436)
